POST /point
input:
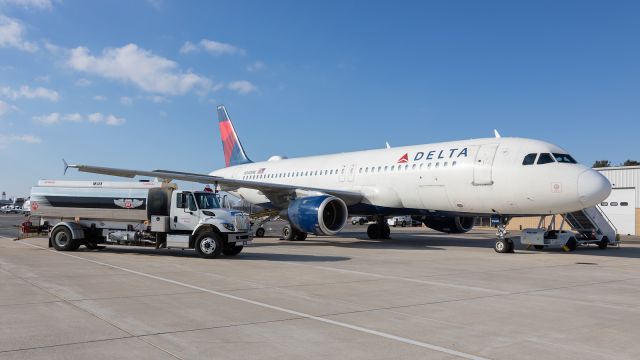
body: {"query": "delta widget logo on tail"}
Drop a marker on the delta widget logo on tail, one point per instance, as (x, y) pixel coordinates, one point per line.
(404, 159)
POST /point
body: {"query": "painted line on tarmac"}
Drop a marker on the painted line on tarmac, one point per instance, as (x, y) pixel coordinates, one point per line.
(281, 309)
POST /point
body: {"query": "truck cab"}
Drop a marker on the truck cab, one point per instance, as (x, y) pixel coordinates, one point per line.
(197, 220)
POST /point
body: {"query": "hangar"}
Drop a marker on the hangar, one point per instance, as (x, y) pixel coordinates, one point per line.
(622, 207)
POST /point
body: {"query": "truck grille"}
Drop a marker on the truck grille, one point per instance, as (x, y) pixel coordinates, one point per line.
(242, 222)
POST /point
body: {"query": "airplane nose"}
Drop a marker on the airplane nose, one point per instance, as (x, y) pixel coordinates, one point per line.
(593, 188)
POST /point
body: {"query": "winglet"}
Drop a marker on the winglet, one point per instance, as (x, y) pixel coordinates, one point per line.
(233, 151)
(66, 166)
(496, 133)
(388, 146)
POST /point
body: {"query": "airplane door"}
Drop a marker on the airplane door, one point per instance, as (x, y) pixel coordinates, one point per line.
(352, 172)
(343, 171)
(483, 164)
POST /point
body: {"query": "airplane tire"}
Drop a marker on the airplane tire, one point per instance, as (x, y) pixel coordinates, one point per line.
(502, 246)
(373, 231)
(301, 236)
(287, 233)
(602, 245)
(385, 232)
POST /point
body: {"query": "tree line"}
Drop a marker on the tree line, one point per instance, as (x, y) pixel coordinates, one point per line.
(607, 163)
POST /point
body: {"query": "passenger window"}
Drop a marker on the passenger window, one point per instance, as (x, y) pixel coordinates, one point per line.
(406, 167)
(413, 167)
(453, 163)
(604, 203)
(545, 158)
(379, 168)
(392, 167)
(421, 165)
(385, 167)
(529, 159)
(613, 203)
(624, 203)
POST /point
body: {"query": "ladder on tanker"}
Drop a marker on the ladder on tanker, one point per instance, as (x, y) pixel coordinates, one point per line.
(593, 221)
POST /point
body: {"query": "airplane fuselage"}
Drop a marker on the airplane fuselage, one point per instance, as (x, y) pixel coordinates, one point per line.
(478, 176)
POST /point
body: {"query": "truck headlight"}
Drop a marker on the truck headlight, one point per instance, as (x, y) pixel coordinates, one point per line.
(229, 227)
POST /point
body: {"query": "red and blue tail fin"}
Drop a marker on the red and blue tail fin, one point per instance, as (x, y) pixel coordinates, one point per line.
(233, 151)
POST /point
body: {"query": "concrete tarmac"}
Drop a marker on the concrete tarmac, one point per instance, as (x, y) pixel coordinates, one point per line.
(420, 295)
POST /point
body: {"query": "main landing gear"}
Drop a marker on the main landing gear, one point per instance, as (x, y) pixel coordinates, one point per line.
(292, 234)
(379, 230)
(504, 244)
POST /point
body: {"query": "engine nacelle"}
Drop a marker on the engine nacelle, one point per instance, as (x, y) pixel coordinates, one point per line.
(449, 224)
(320, 215)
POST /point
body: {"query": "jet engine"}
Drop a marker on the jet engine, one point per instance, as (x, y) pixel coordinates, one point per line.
(449, 224)
(320, 215)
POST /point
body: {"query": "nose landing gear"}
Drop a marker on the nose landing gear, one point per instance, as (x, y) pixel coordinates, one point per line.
(503, 244)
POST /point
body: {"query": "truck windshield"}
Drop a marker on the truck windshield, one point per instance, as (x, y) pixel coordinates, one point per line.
(206, 201)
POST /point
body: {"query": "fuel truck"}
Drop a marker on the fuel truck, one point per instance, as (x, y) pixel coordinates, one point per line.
(97, 213)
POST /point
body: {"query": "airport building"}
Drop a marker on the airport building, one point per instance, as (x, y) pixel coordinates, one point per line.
(622, 207)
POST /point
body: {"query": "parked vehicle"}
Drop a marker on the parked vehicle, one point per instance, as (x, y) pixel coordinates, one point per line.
(96, 213)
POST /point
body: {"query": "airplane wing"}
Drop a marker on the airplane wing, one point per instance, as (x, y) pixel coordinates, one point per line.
(275, 192)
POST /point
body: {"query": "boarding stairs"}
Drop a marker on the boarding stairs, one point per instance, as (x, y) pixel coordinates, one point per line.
(592, 220)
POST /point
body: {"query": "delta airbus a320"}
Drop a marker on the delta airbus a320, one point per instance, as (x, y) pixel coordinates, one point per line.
(445, 185)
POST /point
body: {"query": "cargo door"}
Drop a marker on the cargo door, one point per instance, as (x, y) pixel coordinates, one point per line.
(482, 168)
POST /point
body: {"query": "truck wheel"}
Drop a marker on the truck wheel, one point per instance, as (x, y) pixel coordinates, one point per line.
(404, 223)
(602, 245)
(260, 232)
(232, 250)
(209, 245)
(361, 221)
(301, 236)
(572, 244)
(62, 240)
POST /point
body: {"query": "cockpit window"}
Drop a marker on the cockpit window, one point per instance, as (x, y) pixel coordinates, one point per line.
(564, 158)
(529, 159)
(545, 158)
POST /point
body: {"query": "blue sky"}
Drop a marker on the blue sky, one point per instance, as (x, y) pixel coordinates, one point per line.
(134, 84)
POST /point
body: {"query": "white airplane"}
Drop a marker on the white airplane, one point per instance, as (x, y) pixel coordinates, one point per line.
(445, 184)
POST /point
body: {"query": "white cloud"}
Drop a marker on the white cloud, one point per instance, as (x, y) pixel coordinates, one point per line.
(114, 121)
(256, 66)
(6, 108)
(50, 119)
(6, 140)
(12, 35)
(125, 100)
(99, 98)
(109, 119)
(28, 93)
(242, 87)
(75, 117)
(95, 118)
(30, 4)
(212, 47)
(141, 67)
(82, 82)
(158, 99)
